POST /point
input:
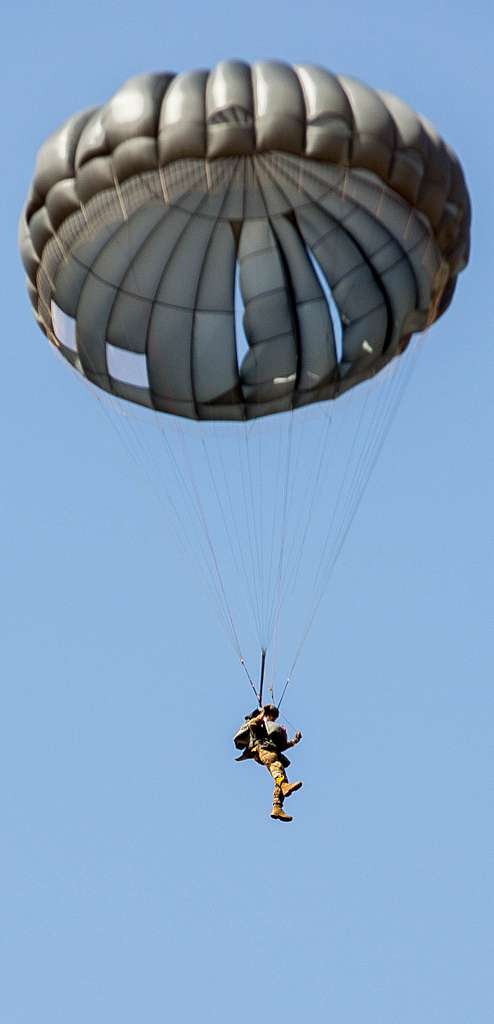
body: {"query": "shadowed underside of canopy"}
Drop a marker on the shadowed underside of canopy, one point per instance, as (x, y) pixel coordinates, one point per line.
(335, 214)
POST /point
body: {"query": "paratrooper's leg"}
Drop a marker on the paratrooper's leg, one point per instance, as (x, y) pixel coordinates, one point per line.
(275, 768)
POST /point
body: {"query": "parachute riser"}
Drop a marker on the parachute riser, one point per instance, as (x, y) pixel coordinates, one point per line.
(261, 677)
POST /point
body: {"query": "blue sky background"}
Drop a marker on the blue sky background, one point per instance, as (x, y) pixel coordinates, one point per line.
(142, 879)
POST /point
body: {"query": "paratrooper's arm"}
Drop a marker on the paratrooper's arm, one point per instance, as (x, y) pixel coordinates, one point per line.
(296, 739)
(257, 719)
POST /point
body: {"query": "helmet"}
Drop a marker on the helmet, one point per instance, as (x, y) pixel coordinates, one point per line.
(271, 710)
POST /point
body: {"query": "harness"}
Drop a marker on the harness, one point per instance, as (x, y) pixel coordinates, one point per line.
(264, 735)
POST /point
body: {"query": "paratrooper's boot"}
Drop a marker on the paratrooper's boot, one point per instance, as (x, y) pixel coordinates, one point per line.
(278, 813)
(287, 788)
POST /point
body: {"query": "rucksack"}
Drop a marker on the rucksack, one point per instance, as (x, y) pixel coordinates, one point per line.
(248, 735)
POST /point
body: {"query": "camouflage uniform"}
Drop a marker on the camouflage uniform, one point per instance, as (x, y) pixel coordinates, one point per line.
(273, 763)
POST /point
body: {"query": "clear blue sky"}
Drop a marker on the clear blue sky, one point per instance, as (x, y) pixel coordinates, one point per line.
(141, 877)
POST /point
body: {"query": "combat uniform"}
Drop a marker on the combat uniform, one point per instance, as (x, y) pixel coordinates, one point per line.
(274, 760)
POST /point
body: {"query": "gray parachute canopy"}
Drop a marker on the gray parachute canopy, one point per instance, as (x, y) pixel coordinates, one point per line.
(296, 183)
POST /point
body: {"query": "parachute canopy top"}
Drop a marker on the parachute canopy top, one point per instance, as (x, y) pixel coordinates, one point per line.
(336, 212)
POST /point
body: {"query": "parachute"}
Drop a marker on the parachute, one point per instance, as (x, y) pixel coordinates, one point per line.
(239, 248)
